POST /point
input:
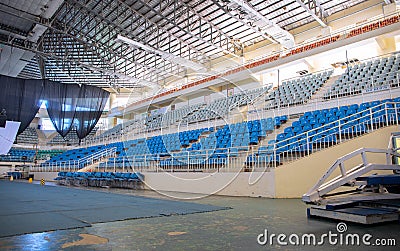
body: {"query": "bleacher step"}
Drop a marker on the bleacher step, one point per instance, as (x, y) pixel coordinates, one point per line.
(328, 84)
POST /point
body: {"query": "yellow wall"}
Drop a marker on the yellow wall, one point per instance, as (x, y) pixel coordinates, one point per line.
(294, 179)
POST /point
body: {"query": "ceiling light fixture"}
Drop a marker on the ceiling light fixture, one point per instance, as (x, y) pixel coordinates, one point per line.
(167, 56)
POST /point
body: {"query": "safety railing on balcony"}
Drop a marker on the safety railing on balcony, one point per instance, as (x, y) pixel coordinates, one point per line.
(263, 158)
(374, 89)
(75, 165)
(347, 175)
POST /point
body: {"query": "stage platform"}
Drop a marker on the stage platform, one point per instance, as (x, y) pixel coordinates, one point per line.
(31, 208)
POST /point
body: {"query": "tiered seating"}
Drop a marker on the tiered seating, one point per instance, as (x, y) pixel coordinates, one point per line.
(225, 141)
(135, 150)
(47, 154)
(249, 133)
(164, 144)
(311, 132)
(28, 136)
(116, 130)
(101, 179)
(119, 129)
(366, 76)
(70, 139)
(170, 117)
(19, 155)
(297, 91)
(78, 156)
(184, 148)
(187, 114)
(221, 107)
(246, 97)
(139, 151)
(216, 109)
(323, 128)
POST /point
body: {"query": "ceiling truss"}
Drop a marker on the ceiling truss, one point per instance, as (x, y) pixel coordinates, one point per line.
(77, 43)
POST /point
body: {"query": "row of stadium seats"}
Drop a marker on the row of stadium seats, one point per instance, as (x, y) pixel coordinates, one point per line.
(78, 156)
(71, 138)
(226, 141)
(18, 155)
(101, 179)
(325, 126)
(220, 108)
(314, 127)
(377, 73)
(298, 90)
(188, 114)
(243, 135)
(47, 154)
(119, 129)
(161, 145)
(184, 145)
(28, 136)
(157, 121)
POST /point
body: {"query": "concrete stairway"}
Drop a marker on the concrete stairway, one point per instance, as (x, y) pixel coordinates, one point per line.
(272, 136)
(42, 137)
(320, 93)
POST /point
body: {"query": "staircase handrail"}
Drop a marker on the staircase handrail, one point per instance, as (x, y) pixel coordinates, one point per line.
(322, 187)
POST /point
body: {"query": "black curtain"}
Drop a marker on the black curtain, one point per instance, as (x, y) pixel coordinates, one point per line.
(61, 104)
(67, 104)
(21, 98)
(89, 109)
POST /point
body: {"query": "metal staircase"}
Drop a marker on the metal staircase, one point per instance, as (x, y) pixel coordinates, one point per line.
(367, 199)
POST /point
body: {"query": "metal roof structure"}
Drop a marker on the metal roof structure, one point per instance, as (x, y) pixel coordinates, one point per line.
(143, 43)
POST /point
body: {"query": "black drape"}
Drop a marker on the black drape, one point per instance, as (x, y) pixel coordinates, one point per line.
(89, 109)
(61, 104)
(67, 104)
(21, 98)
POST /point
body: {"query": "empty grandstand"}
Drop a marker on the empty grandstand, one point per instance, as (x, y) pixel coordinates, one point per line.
(190, 99)
(28, 136)
(70, 139)
(363, 77)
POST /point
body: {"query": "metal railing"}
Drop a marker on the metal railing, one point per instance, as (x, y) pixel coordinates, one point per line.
(377, 22)
(375, 90)
(242, 158)
(337, 131)
(347, 176)
(74, 165)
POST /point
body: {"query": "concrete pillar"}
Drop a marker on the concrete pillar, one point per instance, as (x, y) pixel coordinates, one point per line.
(386, 44)
(112, 121)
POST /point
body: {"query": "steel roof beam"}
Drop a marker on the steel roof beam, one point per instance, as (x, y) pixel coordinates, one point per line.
(254, 28)
(166, 32)
(125, 29)
(96, 49)
(209, 35)
(115, 27)
(314, 8)
(270, 27)
(29, 46)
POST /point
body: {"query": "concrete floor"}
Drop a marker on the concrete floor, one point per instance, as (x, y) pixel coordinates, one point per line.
(234, 229)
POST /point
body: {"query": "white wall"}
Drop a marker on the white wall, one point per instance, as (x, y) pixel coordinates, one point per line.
(47, 176)
(196, 100)
(255, 184)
